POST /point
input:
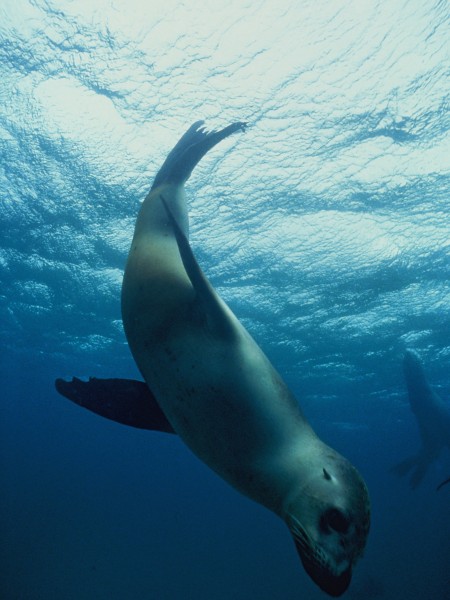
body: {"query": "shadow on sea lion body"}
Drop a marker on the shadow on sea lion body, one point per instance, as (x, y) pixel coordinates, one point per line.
(207, 380)
(433, 418)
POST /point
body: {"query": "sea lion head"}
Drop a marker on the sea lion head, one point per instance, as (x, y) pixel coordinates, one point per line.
(329, 517)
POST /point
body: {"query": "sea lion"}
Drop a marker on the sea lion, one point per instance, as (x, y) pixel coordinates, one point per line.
(433, 419)
(218, 391)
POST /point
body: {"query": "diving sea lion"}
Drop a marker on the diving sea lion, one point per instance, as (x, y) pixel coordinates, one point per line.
(433, 419)
(217, 389)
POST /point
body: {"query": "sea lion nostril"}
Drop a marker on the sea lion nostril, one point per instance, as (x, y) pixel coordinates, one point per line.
(336, 520)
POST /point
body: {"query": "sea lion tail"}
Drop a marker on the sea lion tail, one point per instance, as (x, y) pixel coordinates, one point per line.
(189, 150)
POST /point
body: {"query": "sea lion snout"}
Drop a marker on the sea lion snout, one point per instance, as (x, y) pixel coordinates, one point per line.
(331, 583)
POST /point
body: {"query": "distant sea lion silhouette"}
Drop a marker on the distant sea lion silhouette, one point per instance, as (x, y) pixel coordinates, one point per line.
(212, 385)
(433, 419)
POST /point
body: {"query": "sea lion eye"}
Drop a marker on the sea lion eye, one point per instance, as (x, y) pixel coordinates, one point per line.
(336, 520)
(326, 475)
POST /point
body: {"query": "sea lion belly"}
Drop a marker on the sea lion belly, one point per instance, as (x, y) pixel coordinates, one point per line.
(209, 382)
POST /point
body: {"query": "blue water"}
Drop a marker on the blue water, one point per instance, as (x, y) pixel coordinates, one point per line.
(325, 227)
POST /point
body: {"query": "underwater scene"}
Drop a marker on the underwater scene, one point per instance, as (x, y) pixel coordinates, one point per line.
(225, 300)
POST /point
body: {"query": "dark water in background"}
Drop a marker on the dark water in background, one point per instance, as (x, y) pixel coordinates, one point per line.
(91, 509)
(325, 227)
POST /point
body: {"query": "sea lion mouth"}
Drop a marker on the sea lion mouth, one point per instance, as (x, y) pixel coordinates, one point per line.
(333, 585)
(318, 568)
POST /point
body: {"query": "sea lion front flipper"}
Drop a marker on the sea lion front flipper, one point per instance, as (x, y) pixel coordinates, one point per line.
(442, 484)
(125, 401)
(417, 464)
(405, 466)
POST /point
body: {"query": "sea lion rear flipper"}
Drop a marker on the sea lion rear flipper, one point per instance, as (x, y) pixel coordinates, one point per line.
(215, 311)
(125, 401)
(189, 150)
